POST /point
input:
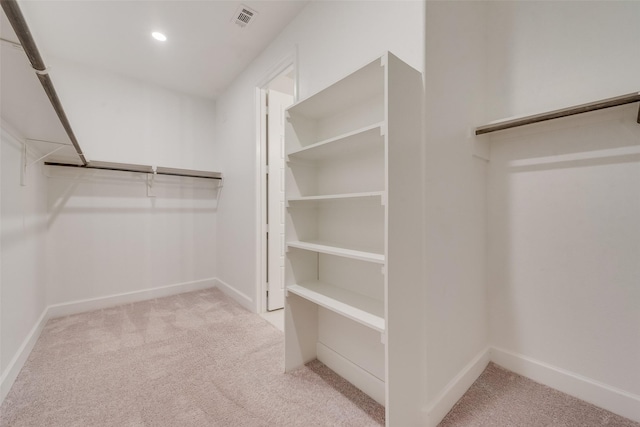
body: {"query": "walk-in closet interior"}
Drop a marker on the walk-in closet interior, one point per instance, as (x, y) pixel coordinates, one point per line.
(410, 190)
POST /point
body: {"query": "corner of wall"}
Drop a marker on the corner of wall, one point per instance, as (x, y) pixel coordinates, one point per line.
(440, 406)
(22, 267)
(597, 393)
(456, 176)
(235, 294)
(8, 377)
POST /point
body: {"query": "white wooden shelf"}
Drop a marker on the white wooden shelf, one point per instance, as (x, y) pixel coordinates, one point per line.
(361, 85)
(329, 197)
(357, 140)
(352, 150)
(364, 310)
(337, 251)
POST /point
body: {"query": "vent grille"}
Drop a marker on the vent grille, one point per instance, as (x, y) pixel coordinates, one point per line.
(244, 16)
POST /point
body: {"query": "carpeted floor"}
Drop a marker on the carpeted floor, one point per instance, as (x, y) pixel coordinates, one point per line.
(502, 398)
(200, 359)
(195, 359)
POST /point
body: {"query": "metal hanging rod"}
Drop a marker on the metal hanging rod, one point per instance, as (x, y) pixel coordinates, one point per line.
(12, 10)
(125, 167)
(570, 111)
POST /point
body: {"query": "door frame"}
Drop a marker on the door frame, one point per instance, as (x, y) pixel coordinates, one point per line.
(289, 61)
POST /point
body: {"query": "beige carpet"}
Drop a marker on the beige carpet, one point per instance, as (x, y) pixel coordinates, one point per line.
(502, 398)
(195, 359)
(199, 359)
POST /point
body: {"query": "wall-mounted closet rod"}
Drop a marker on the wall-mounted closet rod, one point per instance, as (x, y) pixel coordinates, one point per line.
(124, 167)
(12, 10)
(570, 111)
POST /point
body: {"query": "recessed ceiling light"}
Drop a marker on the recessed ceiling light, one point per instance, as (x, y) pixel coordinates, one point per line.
(159, 36)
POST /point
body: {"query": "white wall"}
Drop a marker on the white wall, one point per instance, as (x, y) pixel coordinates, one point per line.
(331, 44)
(455, 306)
(564, 198)
(549, 55)
(85, 239)
(22, 253)
(333, 39)
(120, 119)
(106, 237)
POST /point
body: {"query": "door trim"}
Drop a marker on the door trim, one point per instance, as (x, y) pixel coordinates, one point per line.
(290, 60)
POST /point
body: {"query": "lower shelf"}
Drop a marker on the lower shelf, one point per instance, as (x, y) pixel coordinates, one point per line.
(337, 251)
(356, 375)
(364, 310)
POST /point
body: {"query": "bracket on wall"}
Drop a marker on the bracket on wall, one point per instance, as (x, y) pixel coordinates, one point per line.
(150, 179)
(25, 157)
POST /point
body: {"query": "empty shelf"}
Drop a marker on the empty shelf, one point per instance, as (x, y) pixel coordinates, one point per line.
(362, 309)
(337, 251)
(378, 194)
(363, 84)
(126, 167)
(361, 139)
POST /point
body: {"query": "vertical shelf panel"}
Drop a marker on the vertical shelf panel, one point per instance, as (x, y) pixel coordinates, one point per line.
(405, 333)
(354, 172)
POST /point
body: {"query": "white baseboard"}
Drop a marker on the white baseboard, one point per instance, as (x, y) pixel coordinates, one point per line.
(610, 398)
(58, 310)
(80, 306)
(458, 386)
(232, 292)
(368, 383)
(10, 374)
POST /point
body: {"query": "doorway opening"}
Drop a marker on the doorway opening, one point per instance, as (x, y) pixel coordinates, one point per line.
(275, 96)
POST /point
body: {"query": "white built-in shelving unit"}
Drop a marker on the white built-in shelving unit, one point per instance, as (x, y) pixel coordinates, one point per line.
(353, 236)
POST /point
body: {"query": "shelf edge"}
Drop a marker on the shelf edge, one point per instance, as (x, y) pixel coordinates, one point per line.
(320, 299)
(338, 251)
(334, 139)
(363, 194)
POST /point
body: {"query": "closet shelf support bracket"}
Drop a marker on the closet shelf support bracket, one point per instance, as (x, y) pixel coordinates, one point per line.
(150, 180)
(25, 161)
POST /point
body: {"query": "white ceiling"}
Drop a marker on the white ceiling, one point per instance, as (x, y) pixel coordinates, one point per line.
(204, 52)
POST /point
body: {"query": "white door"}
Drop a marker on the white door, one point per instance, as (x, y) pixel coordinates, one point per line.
(277, 102)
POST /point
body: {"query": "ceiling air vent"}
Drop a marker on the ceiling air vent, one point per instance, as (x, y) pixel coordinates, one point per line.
(244, 16)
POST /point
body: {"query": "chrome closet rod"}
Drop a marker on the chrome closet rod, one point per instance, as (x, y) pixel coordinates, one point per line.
(15, 17)
(564, 112)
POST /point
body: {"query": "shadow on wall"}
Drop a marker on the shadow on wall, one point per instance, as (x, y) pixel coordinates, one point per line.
(23, 214)
(563, 206)
(595, 138)
(85, 191)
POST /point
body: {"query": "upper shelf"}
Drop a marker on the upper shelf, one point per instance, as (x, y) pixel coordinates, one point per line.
(361, 85)
(564, 112)
(125, 167)
(342, 144)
